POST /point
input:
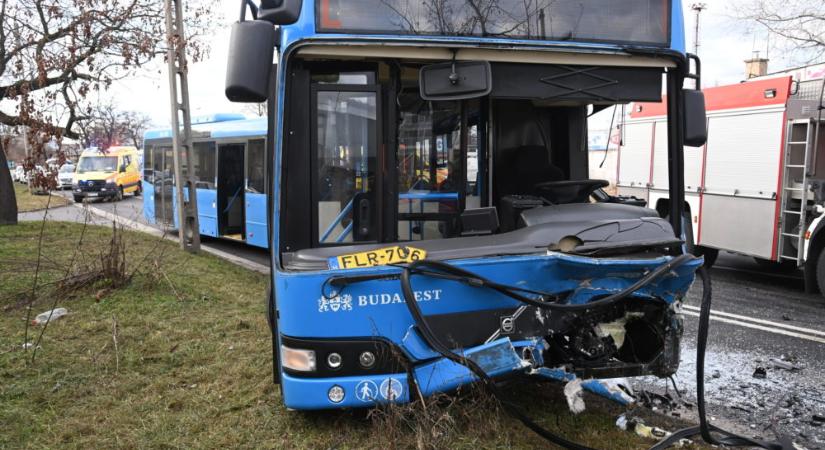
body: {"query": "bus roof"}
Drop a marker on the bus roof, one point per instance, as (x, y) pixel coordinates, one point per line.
(228, 128)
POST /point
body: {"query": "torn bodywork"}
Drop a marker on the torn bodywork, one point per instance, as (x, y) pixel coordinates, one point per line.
(581, 336)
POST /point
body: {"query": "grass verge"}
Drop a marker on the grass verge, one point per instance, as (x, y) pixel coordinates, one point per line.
(180, 358)
(26, 201)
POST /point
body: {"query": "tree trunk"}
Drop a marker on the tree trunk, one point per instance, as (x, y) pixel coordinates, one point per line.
(8, 202)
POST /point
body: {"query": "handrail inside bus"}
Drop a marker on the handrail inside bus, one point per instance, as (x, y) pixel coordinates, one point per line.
(234, 197)
(338, 219)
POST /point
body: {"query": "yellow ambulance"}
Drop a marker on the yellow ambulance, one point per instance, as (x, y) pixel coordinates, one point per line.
(107, 174)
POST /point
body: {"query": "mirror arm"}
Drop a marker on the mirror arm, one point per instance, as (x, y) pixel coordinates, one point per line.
(453, 75)
(252, 7)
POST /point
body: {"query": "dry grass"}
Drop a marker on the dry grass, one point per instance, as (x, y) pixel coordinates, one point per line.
(27, 201)
(180, 356)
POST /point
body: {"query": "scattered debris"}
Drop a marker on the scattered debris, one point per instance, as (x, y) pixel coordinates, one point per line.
(780, 364)
(818, 418)
(573, 393)
(760, 372)
(786, 317)
(638, 426)
(47, 316)
(716, 374)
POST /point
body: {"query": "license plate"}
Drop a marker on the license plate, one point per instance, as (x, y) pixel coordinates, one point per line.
(91, 194)
(379, 257)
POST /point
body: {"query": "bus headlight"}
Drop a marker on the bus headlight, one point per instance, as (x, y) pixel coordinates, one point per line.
(298, 359)
(367, 360)
(334, 360)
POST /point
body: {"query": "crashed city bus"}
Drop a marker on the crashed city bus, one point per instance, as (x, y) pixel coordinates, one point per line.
(431, 217)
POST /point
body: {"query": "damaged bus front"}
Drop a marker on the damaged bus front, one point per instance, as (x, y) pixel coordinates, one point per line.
(432, 221)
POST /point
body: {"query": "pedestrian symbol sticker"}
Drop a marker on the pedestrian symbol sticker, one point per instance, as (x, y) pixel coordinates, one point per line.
(366, 391)
(391, 389)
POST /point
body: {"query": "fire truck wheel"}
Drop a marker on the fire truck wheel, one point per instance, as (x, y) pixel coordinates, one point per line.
(710, 254)
(820, 271)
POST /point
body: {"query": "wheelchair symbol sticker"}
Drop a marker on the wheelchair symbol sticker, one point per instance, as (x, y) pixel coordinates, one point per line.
(391, 389)
(366, 391)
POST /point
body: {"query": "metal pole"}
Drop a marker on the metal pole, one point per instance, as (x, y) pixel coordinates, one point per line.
(187, 209)
(698, 7)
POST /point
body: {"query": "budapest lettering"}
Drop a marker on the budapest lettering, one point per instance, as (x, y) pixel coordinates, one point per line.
(346, 302)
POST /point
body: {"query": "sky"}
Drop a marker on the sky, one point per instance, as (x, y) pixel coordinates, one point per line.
(724, 45)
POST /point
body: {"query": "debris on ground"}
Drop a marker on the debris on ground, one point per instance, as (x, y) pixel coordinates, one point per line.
(639, 427)
(760, 372)
(573, 393)
(781, 364)
(47, 316)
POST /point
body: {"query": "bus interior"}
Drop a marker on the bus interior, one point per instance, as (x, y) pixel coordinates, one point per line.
(385, 165)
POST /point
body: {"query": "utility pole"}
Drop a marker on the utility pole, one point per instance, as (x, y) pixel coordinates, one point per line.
(187, 214)
(698, 7)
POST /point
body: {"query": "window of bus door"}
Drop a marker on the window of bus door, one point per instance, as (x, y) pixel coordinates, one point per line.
(345, 160)
(205, 164)
(256, 167)
(437, 146)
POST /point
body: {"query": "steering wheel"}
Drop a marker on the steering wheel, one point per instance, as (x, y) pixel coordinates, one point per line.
(569, 191)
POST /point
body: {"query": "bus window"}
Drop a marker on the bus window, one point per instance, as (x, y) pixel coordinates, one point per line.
(256, 167)
(345, 164)
(429, 167)
(204, 164)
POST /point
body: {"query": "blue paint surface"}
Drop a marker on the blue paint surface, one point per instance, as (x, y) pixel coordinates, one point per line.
(148, 201)
(256, 219)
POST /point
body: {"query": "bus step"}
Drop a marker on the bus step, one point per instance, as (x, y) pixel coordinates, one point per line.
(793, 189)
(795, 166)
(797, 142)
(793, 258)
(790, 235)
(787, 211)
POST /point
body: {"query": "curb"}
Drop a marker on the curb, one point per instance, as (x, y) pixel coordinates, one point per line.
(137, 226)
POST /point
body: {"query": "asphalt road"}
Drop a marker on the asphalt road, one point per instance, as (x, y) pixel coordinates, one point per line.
(759, 314)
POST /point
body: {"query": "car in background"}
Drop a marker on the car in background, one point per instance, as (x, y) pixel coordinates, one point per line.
(106, 174)
(19, 174)
(65, 176)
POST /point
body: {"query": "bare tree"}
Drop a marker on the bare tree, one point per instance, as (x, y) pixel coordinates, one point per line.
(54, 53)
(800, 23)
(104, 125)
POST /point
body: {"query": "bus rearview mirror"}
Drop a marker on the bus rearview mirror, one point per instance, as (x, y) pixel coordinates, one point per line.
(280, 12)
(696, 124)
(456, 80)
(251, 49)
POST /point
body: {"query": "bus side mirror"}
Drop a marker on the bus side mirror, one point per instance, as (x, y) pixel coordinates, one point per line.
(280, 12)
(251, 50)
(696, 123)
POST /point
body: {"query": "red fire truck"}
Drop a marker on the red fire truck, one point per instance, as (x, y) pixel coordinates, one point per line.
(757, 187)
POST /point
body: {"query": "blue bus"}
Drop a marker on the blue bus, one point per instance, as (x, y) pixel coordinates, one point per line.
(229, 168)
(432, 223)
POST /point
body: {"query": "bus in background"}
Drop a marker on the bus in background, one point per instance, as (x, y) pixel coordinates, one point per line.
(229, 168)
(453, 147)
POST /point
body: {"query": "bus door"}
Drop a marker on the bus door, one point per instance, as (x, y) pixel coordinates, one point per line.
(345, 157)
(255, 195)
(231, 195)
(164, 170)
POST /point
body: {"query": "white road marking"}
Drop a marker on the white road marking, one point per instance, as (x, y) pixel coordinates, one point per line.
(760, 327)
(760, 321)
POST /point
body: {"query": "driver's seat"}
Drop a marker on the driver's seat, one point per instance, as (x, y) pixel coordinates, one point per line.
(528, 166)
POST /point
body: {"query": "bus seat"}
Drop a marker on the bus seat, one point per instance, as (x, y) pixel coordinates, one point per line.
(523, 168)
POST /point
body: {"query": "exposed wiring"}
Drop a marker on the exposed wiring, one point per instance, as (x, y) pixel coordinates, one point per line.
(704, 429)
